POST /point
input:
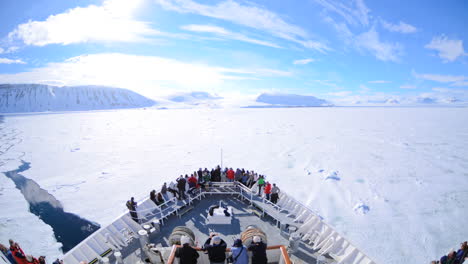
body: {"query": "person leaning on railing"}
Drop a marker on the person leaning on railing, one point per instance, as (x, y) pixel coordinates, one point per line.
(186, 253)
(239, 253)
(258, 249)
(216, 248)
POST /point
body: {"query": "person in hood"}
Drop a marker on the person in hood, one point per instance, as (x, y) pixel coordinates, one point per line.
(239, 253)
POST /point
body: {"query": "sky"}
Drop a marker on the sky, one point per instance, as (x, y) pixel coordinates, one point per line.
(348, 52)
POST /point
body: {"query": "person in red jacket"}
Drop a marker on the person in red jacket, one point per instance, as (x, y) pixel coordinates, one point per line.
(267, 190)
(230, 175)
(18, 253)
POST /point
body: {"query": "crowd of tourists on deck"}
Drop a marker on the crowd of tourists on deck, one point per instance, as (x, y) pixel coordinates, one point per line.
(16, 255)
(216, 247)
(186, 185)
(455, 257)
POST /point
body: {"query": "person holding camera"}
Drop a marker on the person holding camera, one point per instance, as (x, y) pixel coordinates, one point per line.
(216, 248)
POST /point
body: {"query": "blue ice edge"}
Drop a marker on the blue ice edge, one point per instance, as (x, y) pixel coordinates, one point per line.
(69, 229)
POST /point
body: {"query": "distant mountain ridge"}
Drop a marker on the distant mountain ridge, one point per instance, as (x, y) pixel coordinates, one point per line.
(18, 98)
(291, 100)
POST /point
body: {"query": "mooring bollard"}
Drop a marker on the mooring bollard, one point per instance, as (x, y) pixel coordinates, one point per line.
(143, 235)
(118, 257)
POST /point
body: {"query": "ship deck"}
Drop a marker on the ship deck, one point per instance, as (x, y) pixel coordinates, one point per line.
(244, 215)
(318, 242)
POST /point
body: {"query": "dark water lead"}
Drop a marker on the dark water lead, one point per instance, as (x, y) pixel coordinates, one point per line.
(69, 229)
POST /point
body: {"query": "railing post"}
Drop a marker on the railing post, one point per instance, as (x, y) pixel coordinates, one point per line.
(263, 207)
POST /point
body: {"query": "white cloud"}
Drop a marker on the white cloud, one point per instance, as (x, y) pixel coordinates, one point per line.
(364, 89)
(460, 83)
(402, 27)
(113, 21)
(340, 94)
(10, 61)
(408, 86)
(448, 49)
(379, 81)
(249, 16)
(383, 51)
(148, 75)
(440, 78)
(222, 32)
(353, 14)
(303, 61)
(1, 50)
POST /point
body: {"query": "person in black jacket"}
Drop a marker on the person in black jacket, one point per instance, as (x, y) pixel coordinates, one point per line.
(132, 205)
(181, 186)
(258, 249)
(216, 248)
(186, 253)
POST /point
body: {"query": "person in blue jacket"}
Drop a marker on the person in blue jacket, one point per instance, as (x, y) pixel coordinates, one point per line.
(239, 253)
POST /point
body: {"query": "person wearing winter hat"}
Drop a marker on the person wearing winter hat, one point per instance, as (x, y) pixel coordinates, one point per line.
(186, 253)
(216, 248)
(258, 249)
(239, 253)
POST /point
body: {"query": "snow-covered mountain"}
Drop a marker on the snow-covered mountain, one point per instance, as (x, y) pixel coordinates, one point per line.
(15, 98)
(290, 100)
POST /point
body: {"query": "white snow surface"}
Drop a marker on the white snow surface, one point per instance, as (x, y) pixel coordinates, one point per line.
(394, 181)
(17, 98)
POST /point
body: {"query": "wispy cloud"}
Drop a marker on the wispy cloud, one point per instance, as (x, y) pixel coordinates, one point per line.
(340, 94)
(448, 49)
(407, 86)
(222, 32)
(441, 78)
(368, 41)
(303, 61)
(383, 51)
(364, 89)
(148, 75)
(379, 81)
(250, 16)
(353, 12)
(402, 27)
(113, 21)
(10, 61)
(460, 83)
